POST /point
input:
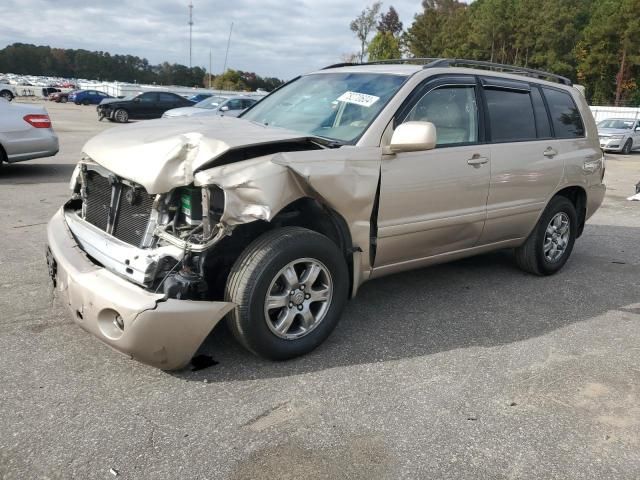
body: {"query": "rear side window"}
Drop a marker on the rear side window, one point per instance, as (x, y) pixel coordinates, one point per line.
(542, 119)
(565, 116)
(511, 115)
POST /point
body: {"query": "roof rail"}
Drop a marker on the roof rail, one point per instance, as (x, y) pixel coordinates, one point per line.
(455, 62)
(393, 61)
(529, 72)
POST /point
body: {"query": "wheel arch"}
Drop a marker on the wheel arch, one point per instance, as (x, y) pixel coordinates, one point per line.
(4, 90)
(577, 195)
(305, 212)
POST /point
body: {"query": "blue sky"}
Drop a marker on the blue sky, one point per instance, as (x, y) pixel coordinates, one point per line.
(271, 37)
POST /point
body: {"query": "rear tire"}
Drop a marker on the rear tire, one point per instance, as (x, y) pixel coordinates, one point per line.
(550, 244)
(64, 100)
(290, 285)
(628, 145)
(7, 95)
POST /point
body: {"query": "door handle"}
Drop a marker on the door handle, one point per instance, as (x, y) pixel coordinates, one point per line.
(476, 161)
(550, 152)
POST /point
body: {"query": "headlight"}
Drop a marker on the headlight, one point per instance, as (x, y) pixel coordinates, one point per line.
(616, 137)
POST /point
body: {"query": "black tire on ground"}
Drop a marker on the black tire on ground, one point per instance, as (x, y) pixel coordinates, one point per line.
(64, 99)
(626, 150)
(252, 277)
(3, 158)
(7, 95)
(530, 256)
(85, 102)
(121, 115)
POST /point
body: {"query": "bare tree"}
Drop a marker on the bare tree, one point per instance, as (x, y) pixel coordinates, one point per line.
(363, 25)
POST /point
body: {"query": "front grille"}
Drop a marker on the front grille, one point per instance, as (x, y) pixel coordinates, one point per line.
(133, 208)
(133, 215)
(98, 200)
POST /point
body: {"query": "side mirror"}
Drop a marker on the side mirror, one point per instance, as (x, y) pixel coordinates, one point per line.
(637, 129)
(224, 109)
(413, 137)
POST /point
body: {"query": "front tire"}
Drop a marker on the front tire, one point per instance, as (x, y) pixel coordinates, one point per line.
(290, 285)
(7, 95)
(121, 115)
(628, 145)
(64, 100)
(550, 244)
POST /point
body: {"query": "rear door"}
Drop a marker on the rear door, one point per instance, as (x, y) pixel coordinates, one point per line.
(146, 106)
(434, 202)
(526, 161)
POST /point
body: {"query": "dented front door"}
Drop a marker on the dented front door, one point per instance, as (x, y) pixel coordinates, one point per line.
(431, 202)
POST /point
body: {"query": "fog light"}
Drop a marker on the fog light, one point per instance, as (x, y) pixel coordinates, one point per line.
(119, 322)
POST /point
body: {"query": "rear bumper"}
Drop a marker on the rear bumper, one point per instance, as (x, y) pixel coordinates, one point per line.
(33, 143)
(164, 333)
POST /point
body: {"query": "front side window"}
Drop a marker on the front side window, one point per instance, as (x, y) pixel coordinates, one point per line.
(453, 111)
(337, 106)
(510, 115)
(565, 116)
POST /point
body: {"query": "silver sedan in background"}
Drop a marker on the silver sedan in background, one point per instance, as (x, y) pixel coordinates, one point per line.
(25, 133)
(230, 106)
(619, 134)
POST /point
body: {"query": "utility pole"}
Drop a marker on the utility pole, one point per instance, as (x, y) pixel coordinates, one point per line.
(227, 53)
(190, 30)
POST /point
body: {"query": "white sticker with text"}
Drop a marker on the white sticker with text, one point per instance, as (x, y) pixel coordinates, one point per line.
(361, 99)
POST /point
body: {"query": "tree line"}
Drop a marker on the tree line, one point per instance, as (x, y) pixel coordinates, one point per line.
(26, 59)
(595, 43)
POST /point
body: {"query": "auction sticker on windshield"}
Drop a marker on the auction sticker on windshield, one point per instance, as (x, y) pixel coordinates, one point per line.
(361, 99)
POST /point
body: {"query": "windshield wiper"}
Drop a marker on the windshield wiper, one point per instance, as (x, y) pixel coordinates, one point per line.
(329, 142)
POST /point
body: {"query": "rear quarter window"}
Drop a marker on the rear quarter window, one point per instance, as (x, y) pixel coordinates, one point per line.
(565, 116)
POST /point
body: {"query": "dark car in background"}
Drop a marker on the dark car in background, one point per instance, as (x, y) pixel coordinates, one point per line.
(88, 97)
(140, 106)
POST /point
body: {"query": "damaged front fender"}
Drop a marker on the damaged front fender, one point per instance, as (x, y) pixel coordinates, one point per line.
(344, 179)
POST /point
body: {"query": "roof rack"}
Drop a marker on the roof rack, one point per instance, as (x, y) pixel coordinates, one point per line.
(460, 62)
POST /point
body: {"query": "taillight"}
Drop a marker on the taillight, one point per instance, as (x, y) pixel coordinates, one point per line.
(38, 121)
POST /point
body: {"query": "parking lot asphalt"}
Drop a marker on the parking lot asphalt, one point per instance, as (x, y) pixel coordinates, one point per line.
(468, 370)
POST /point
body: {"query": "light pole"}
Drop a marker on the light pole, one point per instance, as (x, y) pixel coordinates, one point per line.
(190, 30)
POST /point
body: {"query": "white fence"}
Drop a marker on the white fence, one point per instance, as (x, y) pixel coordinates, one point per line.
(118, 89)
(602, 113)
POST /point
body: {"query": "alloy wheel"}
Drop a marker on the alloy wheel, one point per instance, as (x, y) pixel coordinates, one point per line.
(298, 298)
(556, 237)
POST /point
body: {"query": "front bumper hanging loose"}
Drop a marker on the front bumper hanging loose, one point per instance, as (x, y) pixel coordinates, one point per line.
(164, 333)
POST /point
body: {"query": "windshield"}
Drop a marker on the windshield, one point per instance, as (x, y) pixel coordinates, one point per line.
(131, 96)
(616, 123)
(210, 103)
(338, 106)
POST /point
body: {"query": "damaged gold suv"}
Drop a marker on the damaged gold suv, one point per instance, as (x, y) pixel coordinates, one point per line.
(274, 219)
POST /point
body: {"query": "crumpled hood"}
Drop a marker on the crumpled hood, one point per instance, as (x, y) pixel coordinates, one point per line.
(163, 154)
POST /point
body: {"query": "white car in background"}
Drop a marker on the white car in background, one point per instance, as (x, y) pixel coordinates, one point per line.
(25, 133)
(620, 135)
(230, 106)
